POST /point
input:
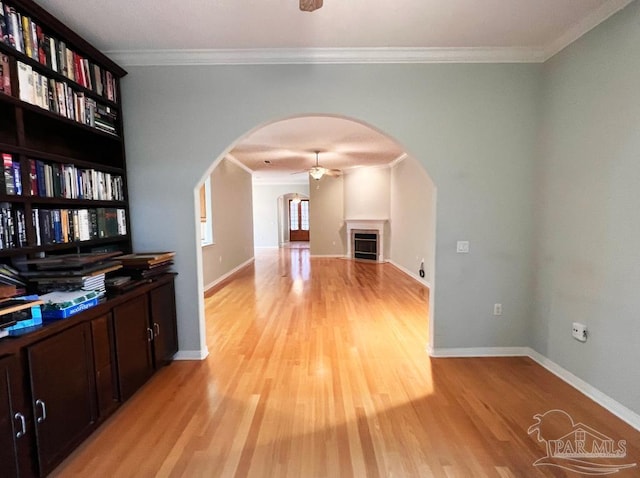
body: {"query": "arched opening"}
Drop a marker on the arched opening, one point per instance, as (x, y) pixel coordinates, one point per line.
(372, 185)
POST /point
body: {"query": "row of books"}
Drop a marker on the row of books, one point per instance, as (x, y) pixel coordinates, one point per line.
(68, 181)
(13, 229)
(26, 36)
(58, 97)
(60, 226)
(10, 180)
(60, 181)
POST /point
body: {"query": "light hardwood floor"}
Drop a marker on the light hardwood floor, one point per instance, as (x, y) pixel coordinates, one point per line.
(317, 368)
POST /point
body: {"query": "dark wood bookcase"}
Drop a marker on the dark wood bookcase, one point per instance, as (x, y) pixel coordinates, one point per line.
(59, 382)
(31, 133)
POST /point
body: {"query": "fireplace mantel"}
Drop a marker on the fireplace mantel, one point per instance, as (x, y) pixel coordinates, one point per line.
(364, 225)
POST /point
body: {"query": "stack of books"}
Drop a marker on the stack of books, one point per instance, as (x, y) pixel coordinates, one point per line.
(11, 282)
(72, 272)
(147, 265)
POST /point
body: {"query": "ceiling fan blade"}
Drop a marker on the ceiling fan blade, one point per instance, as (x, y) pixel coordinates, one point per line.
(333, 172)
(310, 5)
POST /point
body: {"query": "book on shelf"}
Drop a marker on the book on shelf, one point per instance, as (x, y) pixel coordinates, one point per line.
(17, 181)
(5, 75)
(7, 176)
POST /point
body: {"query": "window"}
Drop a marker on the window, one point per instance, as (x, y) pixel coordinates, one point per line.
(299, 215)
(206, 221)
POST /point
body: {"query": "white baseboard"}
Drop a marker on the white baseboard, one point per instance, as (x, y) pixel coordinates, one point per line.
(479, 352)
(228, 274)
(191, 354)
(604, 400)
(416, 277)
(341, 256)
(615, 407)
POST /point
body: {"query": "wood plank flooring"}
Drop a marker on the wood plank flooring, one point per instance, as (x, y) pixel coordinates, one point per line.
(317, 368)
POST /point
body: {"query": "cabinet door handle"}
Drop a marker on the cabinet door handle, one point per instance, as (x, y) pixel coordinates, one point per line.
(156, 327)
(149, 334)
(23, 425)
(44, 411)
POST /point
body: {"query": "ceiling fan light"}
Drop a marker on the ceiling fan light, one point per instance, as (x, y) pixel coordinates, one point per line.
(310, 5)
(316, 172)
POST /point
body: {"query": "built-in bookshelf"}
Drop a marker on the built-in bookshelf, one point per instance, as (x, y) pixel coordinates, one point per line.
(63, 181)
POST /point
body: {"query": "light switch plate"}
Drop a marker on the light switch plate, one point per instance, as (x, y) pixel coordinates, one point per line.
(462, 247)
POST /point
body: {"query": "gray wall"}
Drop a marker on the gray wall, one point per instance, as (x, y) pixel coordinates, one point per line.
(470, 126)
(413, 207)
(265, 211)
(232, 222)
(587, 230)
(326, 217)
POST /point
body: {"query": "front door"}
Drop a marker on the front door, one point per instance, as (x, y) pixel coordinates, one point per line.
(299, 220)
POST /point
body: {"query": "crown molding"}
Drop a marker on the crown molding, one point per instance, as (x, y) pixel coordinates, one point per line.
(292, 56)
(588, 23)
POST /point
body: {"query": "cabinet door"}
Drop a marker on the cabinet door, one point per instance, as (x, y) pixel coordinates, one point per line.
(104, 365)
(133, 335)
(63, 393)
(9, 429)
(163, 316)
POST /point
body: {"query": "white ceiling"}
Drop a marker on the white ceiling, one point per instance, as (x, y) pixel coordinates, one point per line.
(529, 28)
(157, 32)
(290, 146)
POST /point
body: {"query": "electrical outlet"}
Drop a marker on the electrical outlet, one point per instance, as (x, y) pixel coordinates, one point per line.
(462, 247)
(497, 309)
(579, 332)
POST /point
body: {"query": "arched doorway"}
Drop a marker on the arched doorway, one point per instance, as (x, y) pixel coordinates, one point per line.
(396, 190)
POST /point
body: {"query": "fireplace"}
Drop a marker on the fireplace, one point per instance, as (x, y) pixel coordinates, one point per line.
(365, 246)
(365, 239)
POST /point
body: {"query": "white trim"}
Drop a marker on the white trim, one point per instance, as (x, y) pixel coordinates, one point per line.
(296, 56)
(588, 23)
(235, 161)
(604, 400)
(227, 275)
(398, 160)
(615, 407)
(479, 352)
(330, 256)
(191, 354)
(406, 271)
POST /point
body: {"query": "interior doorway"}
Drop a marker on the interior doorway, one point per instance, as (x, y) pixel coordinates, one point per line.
(298, 220)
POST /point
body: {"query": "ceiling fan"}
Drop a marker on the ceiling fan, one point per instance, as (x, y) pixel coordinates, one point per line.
(310, 5)
(317, 171)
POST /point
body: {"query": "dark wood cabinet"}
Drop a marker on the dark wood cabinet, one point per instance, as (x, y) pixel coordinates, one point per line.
(12, 421)
(62, 393)
(132, 337)
(60, 382)
(163, 322)
(104, 365)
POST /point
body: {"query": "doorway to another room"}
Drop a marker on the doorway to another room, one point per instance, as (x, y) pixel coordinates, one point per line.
(298, 220)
